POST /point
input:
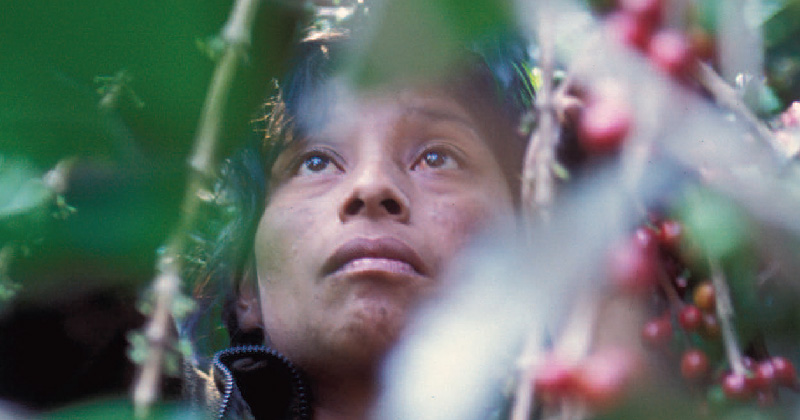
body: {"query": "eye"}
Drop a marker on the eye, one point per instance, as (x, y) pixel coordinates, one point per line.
(316, 162)
(435, 159)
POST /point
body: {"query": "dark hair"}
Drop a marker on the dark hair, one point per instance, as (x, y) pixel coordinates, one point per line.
(493, 83)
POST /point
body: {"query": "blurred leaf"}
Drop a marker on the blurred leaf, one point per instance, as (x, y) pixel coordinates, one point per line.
(24, 199)
(21, 189)
(760, 97)
(782, 25)
(417, 40)
(707, 14)
(742, 276)
(138, 349)
(121, 409)
(713, 222)
(52, 52)
(7, 291)
(722, 231)
(122, 215)
(768, 101)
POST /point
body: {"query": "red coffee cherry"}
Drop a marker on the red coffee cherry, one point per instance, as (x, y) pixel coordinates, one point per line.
(649, 11)
(736, 387)
(763, 376)
(632, 267)
(645, 238)
(704, 296)
(694, 365)
(785, 373)
(657, 333)
(603, 125)
(604, 378)
(628, 30)
(669, 233)
(554, 381)
(690, 318)
(670, 51)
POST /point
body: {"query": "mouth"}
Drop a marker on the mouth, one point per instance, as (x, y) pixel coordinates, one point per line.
(384, 255)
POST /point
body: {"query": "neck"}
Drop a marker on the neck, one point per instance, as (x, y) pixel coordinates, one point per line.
(345, 396)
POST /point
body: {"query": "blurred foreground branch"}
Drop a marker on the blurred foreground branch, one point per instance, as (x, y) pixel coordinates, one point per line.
(726, 96)
(203, 163)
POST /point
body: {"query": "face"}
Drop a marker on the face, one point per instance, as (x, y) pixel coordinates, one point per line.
(363, 216)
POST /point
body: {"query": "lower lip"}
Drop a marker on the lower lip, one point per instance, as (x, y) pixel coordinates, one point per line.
(378, 266)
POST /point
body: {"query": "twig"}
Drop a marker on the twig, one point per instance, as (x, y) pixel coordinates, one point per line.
(236, 34)
(158, 337)
(537, 176)
(725, 315)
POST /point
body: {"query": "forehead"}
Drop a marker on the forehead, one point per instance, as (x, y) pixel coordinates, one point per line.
(337, 112)
(340, 108)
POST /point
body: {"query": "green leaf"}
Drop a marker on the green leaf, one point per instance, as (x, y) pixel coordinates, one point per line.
(782, 25)
(49, 102)
(713, 222)
(122, 409)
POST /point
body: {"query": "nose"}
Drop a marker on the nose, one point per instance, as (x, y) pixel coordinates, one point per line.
(375, 193)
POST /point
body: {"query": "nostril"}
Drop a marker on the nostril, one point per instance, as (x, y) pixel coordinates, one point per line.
(392, 206)
(354, 207)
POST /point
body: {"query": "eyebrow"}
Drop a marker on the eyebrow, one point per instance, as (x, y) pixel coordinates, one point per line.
(438, 114)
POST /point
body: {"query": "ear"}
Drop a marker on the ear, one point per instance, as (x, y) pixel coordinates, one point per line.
(248, 308)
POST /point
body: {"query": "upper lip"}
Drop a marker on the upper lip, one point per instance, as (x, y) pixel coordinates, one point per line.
(384, 247)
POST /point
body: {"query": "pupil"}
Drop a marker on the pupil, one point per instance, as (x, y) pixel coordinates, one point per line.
(434, 159)
(316, 163)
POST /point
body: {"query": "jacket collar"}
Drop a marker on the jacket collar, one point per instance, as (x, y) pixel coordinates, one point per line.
(262, 382)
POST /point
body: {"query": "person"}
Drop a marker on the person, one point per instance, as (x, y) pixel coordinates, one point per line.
(349, 209)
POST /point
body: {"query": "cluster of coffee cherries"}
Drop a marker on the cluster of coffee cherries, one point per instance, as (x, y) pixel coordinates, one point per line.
(760, 380)
(606, 119)
(598, 382)
(639, 24)
(651, 260)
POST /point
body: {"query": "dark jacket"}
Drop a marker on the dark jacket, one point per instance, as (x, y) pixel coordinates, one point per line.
(251, 382)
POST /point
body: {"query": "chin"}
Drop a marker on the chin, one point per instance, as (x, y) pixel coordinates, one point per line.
(369, 334)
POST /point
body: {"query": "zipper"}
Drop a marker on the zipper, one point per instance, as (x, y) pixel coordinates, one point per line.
(298, 384)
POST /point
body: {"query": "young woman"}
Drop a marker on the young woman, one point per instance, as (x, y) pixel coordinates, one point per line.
(352, 205)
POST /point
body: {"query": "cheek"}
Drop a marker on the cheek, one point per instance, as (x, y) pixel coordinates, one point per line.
(457, 220)
(282, 236)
